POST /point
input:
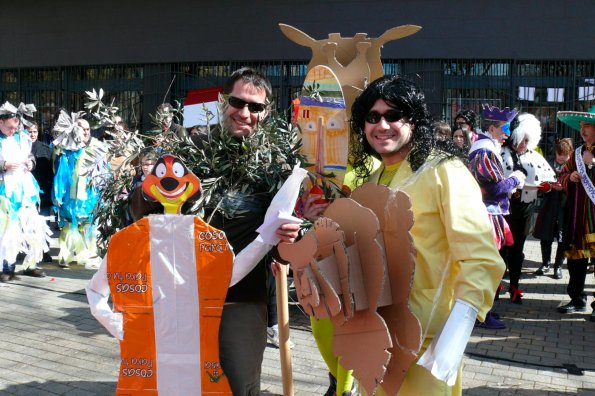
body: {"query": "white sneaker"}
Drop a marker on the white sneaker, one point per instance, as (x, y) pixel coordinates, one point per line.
(273, 337)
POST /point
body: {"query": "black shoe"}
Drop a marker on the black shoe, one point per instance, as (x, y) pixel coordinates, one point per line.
(572, 307)
(35, 272)
(332, 389)
(543, 269)
(557, 273)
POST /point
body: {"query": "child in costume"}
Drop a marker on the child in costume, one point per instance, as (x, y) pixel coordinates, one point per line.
(136, 211)
(22, 229)
(81, 166)
(550, 220)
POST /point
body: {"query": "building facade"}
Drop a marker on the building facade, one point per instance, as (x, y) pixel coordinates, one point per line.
(536, 55)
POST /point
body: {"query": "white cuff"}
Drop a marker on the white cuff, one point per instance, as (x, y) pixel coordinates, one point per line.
(443, 356)
(98, 294)
(112, 321)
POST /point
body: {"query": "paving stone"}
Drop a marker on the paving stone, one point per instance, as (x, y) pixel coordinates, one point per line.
(52, 345)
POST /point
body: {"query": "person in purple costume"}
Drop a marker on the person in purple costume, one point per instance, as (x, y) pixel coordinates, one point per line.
(485, 164)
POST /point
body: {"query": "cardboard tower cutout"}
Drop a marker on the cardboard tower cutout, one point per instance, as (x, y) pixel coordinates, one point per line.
(168, 276)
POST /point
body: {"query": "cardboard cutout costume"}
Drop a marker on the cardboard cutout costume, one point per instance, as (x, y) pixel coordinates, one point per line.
(354, 60)
(341, 66)
(356, 267)
(168, 276)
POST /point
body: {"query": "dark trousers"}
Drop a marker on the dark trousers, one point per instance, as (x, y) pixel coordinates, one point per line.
(546, 253)
(271, 298)
(519, 223)
(577, 269)
(242, 341)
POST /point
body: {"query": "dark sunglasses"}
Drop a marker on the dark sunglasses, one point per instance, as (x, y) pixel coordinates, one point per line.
(374, 117)
(253, 107)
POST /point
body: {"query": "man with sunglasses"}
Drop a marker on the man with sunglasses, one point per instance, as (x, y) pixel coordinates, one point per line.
(457, 267)
(243, 332)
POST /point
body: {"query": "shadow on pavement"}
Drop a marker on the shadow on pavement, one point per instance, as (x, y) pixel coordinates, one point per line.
(79, 388)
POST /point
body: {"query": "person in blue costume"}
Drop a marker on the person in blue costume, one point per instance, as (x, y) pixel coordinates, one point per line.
(22, 229)
(81, 166)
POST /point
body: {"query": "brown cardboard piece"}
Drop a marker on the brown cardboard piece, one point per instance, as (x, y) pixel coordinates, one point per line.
(314, 291)
(393, 208)
(362, 253)
(363, 340)
(360, 334)
(334, 263)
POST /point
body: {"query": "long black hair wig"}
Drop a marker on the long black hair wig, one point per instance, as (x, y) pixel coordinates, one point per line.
(402, 94)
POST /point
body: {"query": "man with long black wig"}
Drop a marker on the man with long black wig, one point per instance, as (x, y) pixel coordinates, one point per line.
(457, 267)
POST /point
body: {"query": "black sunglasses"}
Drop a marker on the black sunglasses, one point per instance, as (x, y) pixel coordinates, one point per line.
(374, 117)
(253, 107)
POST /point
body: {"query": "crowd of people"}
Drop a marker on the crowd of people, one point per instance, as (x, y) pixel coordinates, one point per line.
(475, 189)
(527, 195)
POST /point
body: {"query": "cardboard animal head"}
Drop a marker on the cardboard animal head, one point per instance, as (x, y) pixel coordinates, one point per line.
(355, 60)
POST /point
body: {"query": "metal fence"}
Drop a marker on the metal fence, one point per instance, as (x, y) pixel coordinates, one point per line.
(539, 87)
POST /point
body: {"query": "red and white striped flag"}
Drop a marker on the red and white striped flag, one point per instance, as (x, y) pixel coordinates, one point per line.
(198, 103)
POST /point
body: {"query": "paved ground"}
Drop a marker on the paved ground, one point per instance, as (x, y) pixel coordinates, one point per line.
(51, 345)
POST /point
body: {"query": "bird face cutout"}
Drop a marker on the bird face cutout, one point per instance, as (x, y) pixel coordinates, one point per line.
(171, 184)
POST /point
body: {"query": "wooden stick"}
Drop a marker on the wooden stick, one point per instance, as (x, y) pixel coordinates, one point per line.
(283, 321)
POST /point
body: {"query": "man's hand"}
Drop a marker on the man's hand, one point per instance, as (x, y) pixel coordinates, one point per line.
(288, 232)
(575, 177)
(276, 268)
(29, 165)
(310, 209)
(544, 187)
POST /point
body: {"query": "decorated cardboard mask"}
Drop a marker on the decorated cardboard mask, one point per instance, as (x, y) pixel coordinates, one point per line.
(171, 183)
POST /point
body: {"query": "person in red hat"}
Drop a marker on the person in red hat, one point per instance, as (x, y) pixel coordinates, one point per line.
(577, 178)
